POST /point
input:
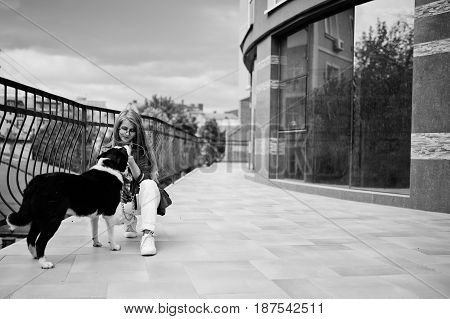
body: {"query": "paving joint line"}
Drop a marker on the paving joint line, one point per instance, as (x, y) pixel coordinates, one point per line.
(356, 237)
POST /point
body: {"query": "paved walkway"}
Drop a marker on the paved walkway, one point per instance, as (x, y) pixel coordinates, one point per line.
(226, 236)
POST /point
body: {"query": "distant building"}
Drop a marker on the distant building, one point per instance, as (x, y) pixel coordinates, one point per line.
(20, 122)
(237, 139)
(196, 111)
(245, 111)
(225, 121)
(85, 101)
(234, 112)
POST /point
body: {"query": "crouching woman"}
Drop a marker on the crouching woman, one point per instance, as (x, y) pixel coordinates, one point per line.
(140, 193)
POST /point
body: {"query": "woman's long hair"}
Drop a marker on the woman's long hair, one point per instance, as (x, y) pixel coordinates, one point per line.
(140, 141)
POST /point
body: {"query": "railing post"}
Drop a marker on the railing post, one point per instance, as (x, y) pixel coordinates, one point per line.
(83, 139)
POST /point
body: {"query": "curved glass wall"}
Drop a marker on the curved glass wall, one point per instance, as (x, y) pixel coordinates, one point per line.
(345, 99)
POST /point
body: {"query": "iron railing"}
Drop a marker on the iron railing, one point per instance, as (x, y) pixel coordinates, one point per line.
(42, 132)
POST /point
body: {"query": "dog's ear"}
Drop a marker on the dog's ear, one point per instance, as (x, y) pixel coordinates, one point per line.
(123, 160)
(107, 162)
(102, 155)
(115, 158)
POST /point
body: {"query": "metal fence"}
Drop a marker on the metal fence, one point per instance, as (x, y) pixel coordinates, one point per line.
(42, 132)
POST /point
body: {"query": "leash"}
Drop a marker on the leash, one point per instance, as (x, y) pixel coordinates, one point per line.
(132, 214)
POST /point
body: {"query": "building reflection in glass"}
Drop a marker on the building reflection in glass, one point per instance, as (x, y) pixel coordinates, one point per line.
(345, 99)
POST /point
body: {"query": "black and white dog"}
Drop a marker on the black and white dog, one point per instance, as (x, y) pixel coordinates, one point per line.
(49, 197)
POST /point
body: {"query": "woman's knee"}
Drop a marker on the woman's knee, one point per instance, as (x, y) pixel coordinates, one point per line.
(148, 194)
(148, 185)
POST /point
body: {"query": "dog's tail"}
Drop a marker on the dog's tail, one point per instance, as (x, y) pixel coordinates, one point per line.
(23, 216)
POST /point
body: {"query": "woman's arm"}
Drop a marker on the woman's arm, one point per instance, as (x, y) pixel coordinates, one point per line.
(141, 168)
(134, 168)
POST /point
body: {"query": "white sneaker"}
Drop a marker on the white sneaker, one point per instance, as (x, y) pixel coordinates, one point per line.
(129, 233)
(148, 247)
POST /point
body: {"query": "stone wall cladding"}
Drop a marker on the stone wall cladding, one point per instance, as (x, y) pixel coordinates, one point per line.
(432, 47)
(430, 146)
(432, 9)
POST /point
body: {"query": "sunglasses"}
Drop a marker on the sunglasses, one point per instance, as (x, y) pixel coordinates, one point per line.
(128, 130)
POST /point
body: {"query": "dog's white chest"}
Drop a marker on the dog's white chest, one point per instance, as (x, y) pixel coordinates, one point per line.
(70, 212)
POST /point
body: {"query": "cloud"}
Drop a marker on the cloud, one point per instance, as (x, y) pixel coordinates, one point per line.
(166, 48)
(70, 77)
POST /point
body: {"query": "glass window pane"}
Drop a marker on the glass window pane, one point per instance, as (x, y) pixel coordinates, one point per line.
(346, 98)
(292, 104)
(331, 26)
(293, 55)
(383, 95)
(291, 155)
(329, 110)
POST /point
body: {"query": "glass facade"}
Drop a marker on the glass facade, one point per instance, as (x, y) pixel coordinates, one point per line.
(293, 73)
(345, 99)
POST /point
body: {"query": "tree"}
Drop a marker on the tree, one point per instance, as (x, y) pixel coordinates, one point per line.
(186, 122)
(159, 107)
(210, 131)
(383, 102)
(385, 50)
(165, 109)
(214, 147)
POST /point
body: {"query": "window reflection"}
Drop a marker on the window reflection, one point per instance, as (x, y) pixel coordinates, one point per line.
(292, 102)
(331, 26)
(345, 98)
(293, 55)
(383, 95)
(292, 99)
(293, 71)
(329, 100)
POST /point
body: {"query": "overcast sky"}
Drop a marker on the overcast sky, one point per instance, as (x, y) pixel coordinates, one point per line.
(384, 10)
(163, 47)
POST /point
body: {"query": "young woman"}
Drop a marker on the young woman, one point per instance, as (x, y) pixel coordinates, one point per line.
(140, 191)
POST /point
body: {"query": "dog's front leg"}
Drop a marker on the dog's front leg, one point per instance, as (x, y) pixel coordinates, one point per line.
(94, 226)
(110, 226)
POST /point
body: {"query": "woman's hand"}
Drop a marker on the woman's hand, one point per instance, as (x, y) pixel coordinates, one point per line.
(131, 160)
(128, 148)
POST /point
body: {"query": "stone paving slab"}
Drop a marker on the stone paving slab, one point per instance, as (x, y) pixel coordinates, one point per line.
(226, 236)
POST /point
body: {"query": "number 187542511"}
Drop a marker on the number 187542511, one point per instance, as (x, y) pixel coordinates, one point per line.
(281, 307)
